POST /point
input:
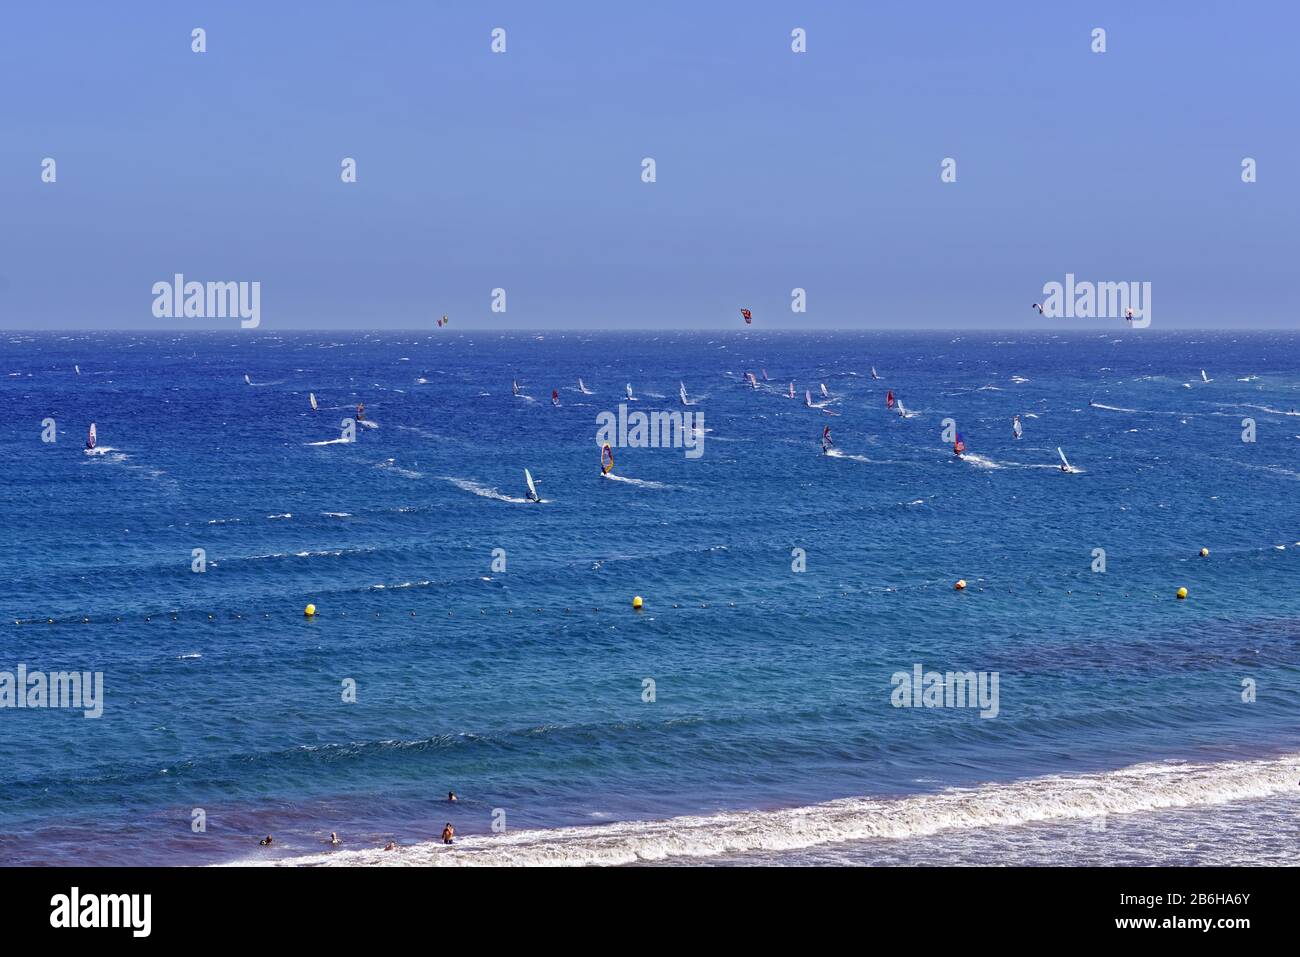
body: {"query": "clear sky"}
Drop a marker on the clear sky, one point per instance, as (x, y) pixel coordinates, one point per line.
(522, 170)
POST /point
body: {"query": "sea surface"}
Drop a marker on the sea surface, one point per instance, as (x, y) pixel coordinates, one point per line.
(468, 640)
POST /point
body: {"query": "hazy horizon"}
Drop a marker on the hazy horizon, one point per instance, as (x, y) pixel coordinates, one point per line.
(522, 170)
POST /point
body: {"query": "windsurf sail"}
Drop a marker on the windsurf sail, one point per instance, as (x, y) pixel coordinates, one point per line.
(247, 379)
(92, 437)
(825, 394)
(749, 316)
(807, 398)
(1065, 463)
(78, 368)
(555, 397)
(889, 399)
(764, 371)
(1016, 429)
(606, 459)
(582, 387)
(792, 390)
(873, 373)
(898, 406)
(532, 489)
(749, 377)
(958, 445)
(1204, 377)
(312, 397)
(681, 390)
(514, 386)
(827, 444)
(629, 391)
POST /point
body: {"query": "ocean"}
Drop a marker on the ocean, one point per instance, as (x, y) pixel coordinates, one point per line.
(468, 640)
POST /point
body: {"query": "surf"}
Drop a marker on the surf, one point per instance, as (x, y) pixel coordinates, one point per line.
(1137, 788)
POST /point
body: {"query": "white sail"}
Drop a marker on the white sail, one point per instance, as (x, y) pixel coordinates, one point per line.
(1204, 377)
(92, 438)
(312, 396)
(532, 489)
(901, 411)
(629, 390)
(825, 394)
(807, 398)
(78, 368)
(514, 386)
(247, 379)
(1064, 460)
(1015, 427)
(582, 387)
(681, 390)
(792, 390)
(873, 373)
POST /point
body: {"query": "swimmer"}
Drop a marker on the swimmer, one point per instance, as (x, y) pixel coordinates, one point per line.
(448, 833)
(334, 839)
(451, 796)
(266, 841)
(390, 846)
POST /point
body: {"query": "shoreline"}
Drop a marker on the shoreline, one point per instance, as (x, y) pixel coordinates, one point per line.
(1147, 787)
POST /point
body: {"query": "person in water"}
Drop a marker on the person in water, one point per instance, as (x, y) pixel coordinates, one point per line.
(266, 841)
(334, 839)
(451, 797)
(448, 834)
(361, 411)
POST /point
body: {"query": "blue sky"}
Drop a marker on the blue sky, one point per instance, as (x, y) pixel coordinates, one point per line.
(522, 170)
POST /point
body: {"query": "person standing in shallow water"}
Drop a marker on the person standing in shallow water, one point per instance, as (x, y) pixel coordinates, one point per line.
(448, 833)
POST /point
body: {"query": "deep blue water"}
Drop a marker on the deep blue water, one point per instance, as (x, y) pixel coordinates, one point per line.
(522, 690)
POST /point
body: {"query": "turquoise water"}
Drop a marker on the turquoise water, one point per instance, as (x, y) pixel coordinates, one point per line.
(522, 689)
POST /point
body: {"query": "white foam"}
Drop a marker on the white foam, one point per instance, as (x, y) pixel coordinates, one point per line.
(1143, 787)
(471, 486)
(644, 483)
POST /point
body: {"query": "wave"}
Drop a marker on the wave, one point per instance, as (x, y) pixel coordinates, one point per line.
(643, 483)
(338, 441)
(469, 485)
(390, 465)
(1142, 787)
(837, 454)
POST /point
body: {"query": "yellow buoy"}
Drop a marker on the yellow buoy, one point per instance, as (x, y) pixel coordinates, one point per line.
(636, 602)
(1205, 552)
(1182, 593)
(961, 584)
(309, 610)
